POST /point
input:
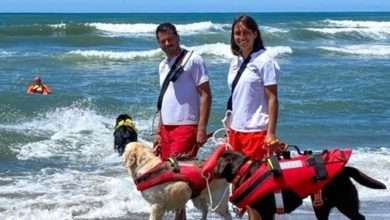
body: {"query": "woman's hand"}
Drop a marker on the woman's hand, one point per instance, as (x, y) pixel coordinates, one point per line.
(273, 144)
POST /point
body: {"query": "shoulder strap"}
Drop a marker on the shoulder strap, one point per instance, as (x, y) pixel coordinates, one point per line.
(169, 78)
(235, 81)
(180, 69)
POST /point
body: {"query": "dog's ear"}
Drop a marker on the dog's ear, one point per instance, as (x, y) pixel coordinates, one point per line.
(237, 160)
(228, 165)
(119, 140)
(122, 136)
(222, 167)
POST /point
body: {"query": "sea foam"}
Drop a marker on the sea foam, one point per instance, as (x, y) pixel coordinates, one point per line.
(366, 29)
(219, 51)
(150, 28)
(363, 50)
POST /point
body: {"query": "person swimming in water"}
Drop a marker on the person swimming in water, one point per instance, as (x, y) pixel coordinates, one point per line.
(38, 87)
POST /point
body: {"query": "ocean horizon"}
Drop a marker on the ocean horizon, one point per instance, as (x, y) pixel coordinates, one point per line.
(56, 152)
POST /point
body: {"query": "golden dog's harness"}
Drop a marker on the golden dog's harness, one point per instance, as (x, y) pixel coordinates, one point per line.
(170, 171)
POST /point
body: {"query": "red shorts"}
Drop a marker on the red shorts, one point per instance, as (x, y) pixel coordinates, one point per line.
(178, 141)
(251, 144)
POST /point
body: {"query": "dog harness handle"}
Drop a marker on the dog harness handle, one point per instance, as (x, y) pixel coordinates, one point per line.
(212, 160)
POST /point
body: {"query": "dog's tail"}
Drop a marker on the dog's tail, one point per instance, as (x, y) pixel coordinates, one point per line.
(363, 179)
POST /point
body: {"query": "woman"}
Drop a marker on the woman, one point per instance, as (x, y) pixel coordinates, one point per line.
(253, 78)
(254, 100)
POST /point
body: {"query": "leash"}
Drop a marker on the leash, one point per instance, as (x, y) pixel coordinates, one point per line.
(225, 193)
(225, 129)
(155, 124)
(219, 141)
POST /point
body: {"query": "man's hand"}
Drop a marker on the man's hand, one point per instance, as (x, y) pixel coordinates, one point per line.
(201, 137)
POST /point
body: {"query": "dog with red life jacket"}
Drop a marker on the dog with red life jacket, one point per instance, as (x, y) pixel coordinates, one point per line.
(166, 185)
(264, 186)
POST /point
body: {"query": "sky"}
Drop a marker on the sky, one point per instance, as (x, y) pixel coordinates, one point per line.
(192, 5)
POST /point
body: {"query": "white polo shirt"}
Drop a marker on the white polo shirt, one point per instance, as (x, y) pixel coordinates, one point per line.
(181, 102)
(250, 104)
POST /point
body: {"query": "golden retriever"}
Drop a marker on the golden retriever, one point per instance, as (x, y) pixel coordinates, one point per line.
(170, 196)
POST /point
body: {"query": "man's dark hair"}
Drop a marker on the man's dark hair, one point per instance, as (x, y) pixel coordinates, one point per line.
(251, 24)
(165, 27)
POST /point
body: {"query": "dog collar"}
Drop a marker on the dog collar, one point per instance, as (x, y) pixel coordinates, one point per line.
(127, 122)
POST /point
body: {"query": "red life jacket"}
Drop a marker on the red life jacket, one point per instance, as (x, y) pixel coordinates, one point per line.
(304, 175)
(164, 172)
(38, 88)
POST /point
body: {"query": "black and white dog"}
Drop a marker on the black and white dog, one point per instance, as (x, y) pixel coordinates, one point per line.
(339, 193)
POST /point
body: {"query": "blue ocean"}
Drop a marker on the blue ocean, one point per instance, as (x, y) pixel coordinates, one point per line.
(56, 152)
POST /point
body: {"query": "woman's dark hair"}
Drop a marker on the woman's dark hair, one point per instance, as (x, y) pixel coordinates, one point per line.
(165, 27)
(251, 24)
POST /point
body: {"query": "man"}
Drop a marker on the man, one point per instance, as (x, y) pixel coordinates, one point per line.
(38, 87)
(185, 105)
